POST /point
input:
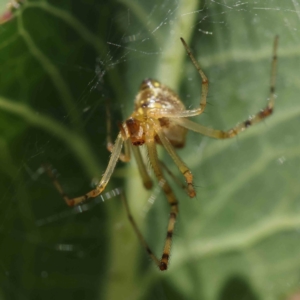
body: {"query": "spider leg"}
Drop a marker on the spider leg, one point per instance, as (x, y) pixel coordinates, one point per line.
(176, 180)
(163, 263)
(220, 134)
(142, 168)
(180, 164)
(152, 152)
(57, 184)
(192, 112)
(102, 183)
(273, 73)
(267, 111)
(137, 231)
(124, 157)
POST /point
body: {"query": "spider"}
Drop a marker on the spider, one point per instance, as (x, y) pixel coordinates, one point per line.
(159, 117)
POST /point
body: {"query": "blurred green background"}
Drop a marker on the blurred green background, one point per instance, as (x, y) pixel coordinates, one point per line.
(60, 63)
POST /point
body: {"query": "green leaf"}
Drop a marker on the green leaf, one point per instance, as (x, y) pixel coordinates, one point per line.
(238, 239)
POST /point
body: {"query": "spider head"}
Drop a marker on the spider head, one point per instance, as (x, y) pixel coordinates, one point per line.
(136, 131)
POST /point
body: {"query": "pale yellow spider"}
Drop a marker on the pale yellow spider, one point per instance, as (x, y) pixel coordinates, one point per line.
(159, 117)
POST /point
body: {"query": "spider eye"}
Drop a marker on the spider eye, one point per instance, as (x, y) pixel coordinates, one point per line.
(146, 84)
(149, 84)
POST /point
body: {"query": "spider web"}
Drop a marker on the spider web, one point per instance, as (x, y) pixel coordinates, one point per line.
(61, 64)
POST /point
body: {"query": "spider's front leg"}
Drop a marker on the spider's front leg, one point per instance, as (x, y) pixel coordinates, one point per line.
(166, 113)
(124, 157)
(258, 117)
(116, 152)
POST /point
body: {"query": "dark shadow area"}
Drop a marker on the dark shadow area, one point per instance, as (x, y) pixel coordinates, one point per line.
(164, 290)
(237, 288)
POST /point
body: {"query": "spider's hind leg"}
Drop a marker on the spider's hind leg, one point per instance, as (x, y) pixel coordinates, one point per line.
(152, 152)
(137, 231)
(164, 261)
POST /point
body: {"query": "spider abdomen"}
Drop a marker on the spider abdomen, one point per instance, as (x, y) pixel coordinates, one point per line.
(174, 132)
(154, 95)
